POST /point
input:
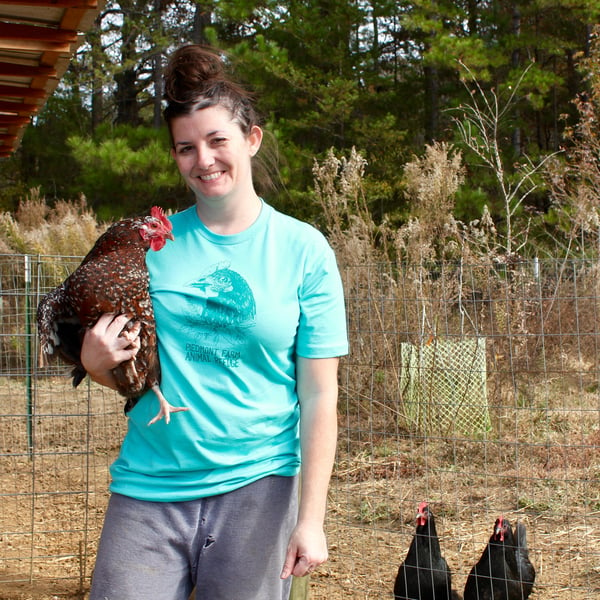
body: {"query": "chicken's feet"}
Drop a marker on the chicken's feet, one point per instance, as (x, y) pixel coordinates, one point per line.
(165, 408)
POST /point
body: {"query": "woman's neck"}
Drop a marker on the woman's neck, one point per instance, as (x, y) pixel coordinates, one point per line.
(228, 218)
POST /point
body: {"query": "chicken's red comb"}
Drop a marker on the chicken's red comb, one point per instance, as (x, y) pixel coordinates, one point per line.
(499, 529)
(158, 213)
(422, 514)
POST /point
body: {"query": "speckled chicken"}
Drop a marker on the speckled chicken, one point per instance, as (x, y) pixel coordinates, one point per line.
(504, 571)
(112, 278)
(424, 574)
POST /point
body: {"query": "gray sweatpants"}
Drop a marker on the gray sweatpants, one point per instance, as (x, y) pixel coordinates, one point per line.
(231, 547)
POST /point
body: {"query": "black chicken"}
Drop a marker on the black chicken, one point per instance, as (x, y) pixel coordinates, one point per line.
(504, 571)
(112, 278)
(424, 574)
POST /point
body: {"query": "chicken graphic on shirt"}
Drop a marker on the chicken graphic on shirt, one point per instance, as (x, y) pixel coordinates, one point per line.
(224, 305)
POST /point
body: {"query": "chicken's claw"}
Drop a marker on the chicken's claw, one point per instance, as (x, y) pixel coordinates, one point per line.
(165, 408)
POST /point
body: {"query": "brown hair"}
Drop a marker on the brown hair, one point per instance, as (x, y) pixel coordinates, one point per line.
(195, 78)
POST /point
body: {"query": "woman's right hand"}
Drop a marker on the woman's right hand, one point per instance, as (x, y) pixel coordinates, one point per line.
(104, 347)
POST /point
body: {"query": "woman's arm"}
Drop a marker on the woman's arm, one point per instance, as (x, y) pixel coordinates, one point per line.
(317, 393)
(103, 347)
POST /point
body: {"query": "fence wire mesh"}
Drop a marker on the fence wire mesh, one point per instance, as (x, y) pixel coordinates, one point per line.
(536, 460)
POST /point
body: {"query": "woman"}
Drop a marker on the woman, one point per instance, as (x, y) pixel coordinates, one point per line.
(250, 320)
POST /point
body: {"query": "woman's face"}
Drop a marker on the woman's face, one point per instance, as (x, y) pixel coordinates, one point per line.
(213, 155)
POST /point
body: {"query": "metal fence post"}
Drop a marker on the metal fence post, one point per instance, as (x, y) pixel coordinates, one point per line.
(28, 355)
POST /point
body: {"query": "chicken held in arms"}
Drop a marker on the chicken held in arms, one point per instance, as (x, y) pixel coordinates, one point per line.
(504, 571)
(424, 574)
(112, 278)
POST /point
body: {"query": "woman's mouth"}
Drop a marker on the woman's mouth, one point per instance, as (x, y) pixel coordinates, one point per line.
(211, 176)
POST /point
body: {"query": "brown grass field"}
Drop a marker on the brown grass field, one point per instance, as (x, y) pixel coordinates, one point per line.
(53, 501)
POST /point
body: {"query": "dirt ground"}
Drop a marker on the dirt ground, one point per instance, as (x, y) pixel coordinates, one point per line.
(53, 500)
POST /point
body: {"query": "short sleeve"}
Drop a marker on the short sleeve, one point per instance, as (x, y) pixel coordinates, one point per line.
(322, 330)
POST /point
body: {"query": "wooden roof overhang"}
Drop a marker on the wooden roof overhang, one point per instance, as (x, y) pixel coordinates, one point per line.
(37, 41)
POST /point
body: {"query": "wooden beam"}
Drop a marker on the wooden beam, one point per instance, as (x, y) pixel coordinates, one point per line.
(15, 70)
(6, 120)
(16, 31)
(25, 84)
(85, 4)
(18, 107)
(15, 91)
(34, 46)
(300, 588)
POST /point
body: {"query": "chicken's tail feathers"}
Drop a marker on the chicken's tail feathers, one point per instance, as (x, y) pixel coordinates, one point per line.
(42, 358)
(524, 564)
(49, 308)
(78, 374)
(130, 403)
(48, 342)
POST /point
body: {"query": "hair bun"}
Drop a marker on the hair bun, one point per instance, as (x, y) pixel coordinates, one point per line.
(191, 70)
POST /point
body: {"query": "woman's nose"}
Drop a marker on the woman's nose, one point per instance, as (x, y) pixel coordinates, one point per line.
(204, 158)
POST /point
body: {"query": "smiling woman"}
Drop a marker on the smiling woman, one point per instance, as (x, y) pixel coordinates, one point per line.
(214, 158)
(250, 319)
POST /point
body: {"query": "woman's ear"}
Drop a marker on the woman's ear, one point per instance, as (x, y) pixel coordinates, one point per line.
(255, 139)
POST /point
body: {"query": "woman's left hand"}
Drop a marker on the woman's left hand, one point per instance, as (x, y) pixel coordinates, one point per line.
(307, 549)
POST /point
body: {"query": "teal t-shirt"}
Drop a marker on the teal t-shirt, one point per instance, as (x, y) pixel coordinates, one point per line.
(232, 313)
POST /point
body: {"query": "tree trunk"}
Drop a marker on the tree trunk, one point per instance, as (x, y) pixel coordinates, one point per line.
(126, 80)
(157, 68)
(97, 106)
(432, 101)
(126, 98)
(202, 19)
(515, 62)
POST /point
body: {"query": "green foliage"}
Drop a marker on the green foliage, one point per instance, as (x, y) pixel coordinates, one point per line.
(12, 182)
(314, 105)
(574, 178)
(377, 77)
(126, 169)
(470, 201)
(45, 157)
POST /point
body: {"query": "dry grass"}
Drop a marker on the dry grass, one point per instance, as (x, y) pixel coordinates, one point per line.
(549, 478)
(550, 481)
(54, 498)
(69, 228)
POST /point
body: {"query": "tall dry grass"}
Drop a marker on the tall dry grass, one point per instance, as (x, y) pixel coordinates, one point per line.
(69, 228)
(435, 278)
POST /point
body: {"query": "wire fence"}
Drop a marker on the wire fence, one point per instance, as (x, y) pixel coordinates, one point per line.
(474, 387)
